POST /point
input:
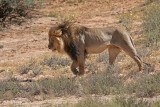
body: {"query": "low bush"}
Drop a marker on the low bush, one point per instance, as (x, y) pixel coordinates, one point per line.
(33, 66)
(102, 83)
(115, 102)
(145, 85)
(9, 89)
(59, 86)
(54, 62)
(15, 9)
(150, 1)
(152, 24)
(1, 46)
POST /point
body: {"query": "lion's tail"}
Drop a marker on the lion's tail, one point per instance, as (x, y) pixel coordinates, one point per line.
(129, 35)
(149, 65)
(131, 40)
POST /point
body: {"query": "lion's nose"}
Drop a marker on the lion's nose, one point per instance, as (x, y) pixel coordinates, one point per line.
(49, 46)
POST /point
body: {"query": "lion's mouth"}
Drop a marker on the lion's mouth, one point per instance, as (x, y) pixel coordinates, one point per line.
(54, 49)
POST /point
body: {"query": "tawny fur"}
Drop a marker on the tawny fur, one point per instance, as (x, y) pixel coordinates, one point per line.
(78, 41)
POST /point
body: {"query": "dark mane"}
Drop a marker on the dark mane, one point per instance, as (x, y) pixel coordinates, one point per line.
(64, 25)
(69, 43)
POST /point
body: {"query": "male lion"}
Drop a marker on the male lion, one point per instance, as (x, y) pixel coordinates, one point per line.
(78, 41)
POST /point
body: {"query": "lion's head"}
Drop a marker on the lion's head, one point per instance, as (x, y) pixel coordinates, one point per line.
(62, 39)
(55, 40)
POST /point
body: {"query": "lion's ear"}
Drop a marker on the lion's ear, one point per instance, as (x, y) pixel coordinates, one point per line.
(58, 33)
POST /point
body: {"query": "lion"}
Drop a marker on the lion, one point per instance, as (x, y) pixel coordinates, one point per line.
(79, 41)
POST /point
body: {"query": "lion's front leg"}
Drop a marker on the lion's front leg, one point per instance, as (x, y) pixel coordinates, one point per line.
(74, 67)
(81, 62)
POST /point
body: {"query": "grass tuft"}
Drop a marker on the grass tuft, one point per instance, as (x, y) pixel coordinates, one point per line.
(60, 86)
(152, 24)
(115, 102)
(1, 46)
(145, 85)
(102, 83)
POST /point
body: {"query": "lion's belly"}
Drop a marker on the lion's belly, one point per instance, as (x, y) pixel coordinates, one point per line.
(97, 48)
(97, 43)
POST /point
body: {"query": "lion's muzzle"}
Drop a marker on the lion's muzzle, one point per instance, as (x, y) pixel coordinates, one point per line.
(50, 46)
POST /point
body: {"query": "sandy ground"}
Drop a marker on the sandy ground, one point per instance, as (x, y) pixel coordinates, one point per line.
(31, 38)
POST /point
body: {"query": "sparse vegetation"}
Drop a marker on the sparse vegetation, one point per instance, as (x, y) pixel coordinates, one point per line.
(49, 76)
(36, 66)
(74, 1)
(52, 14)
(152, 24)
(67, 18)
(102, 83)
(1, 46)
(116, 102)
(150, 1)
(144, 52)
(145, 85)
(9, 89)
(15, 10)
(60, 86)
(92, 67)
(31, 65)
(127, 19)
(97, 84)
(55, 62)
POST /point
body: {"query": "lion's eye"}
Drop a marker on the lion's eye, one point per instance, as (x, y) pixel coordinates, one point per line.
(51, 40)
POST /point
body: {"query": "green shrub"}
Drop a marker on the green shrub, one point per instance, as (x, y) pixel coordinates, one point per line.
(1, 46)
(33, 66)
(67, 18)
(102, 83)
(89, 102)
(15, 9)
(152, 24)
(128, 102)
(144, 52)
(150, 1)
(145, 85)
(127, 19)
(59, 86)
(115, 102)
(9, 89)
(54, 61)
(24, 69)
(74, 1)
(92, 67)
(52, 14)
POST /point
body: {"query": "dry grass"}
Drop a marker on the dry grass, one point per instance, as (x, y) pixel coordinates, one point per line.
(101, 83)
(1, 46)
(116, 102)
(123, 79)
(151, 24)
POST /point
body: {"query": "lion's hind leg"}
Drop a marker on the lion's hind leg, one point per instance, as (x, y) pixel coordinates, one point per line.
(131, 51)
(113, 53)
(136, 58)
